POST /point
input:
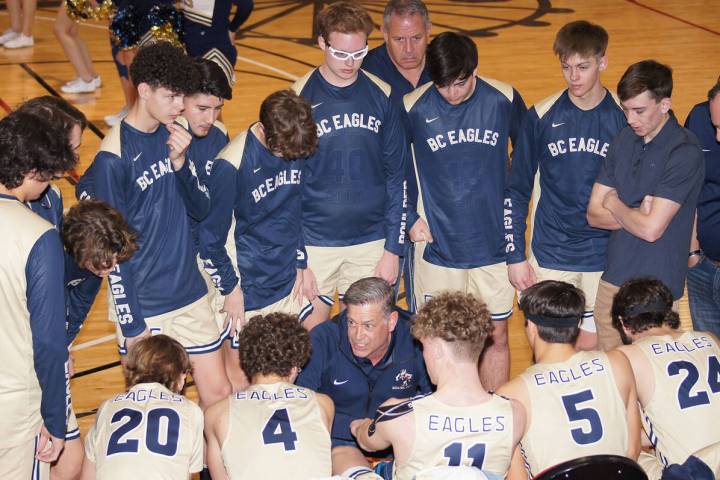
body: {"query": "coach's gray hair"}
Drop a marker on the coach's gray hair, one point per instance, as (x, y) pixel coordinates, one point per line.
(405, 8)
(371, 291)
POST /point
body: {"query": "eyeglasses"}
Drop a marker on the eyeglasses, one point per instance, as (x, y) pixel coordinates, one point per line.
(343, 55)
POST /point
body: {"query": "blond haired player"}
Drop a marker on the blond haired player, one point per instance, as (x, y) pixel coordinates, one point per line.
(680, 373)
(461, 423)
(274, 429)
(577, 403)
(151, 429)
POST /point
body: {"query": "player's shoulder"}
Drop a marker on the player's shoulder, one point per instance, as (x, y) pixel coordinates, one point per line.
(220, 126)
(410, 99)
(545, 105)
(111, 143)
(302, 82)
(234, 150)
(503, 88)
(383, 86)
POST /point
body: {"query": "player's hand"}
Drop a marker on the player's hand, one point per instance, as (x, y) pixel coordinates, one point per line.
(694, 260)
(521, 275)
(178, 141)
(646, 205)
(356, 425)
(388, 267)
(71, 365)
(309, 285)
(132, 341)
(420, 232)
(297, 290)
(234, 308)
(48, 447)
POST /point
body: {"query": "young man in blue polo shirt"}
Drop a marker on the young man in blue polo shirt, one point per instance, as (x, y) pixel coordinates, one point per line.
(646, 192)
(704, 261)
(361, 358)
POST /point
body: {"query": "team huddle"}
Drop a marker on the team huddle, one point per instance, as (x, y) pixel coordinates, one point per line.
(224, 257)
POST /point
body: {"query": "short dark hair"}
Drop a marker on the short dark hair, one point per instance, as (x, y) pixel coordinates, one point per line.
(451, 56)
(210, 79)
(290, 130)
(648, 75)
(161, 64)
(371, 291)
(273, 344)
(643, 303)
(457, 318)
(343, 17)
(93, 232)
(555, 299)
(712, 93)
(55, 110)
(30, 144)
(580, 37)
(158, 358)
(405, 8)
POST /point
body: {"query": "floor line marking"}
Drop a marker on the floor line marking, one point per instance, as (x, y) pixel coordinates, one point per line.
(92, 343)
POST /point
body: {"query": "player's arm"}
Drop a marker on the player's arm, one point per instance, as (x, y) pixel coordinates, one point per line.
(417, 228)
(194, 194)
(517, 469)
(517, 200)
(216, 238)
(519, 421)
(376, 434)
(394, 153)
(44, 273)
(623, 373)
(327, 407)
(597, 215)
(215, 431)
(518, 113)
(111, 185)
(80, 296)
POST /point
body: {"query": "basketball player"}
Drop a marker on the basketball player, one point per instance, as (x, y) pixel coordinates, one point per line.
(151, 430)
(677, 376)
(273, 429)
(460, 126)
(461, 423)
(577, 403)
(34, 392)
(565, 137)
(142, 169)
(254, 229)
(353, 218)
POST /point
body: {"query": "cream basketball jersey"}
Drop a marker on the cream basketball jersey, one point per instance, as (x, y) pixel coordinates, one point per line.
(682, 416)
(148, 431)
(575, 410)
(477, 436)
(276, 430)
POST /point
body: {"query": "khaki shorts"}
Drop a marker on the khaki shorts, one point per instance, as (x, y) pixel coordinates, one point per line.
(586, 281)
(72, 430)
(194, 326)
(20, 462)
(336, 268)
(284, 305)
(489, 284)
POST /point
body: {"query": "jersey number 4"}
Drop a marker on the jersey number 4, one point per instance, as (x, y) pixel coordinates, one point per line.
(278, 429)
(167, 446)
(587, 414)
(686, 398)
(454, 454)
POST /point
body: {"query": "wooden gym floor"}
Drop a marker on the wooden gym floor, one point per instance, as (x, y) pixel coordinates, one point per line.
(276, 46)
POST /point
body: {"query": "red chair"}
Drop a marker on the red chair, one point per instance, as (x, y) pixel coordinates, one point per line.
(595, 467)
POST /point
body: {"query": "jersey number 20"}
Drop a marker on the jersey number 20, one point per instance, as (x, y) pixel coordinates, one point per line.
(278, 429)
(153, 442)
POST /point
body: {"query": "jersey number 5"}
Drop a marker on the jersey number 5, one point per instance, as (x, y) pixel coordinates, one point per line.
(278, 429)
(588, 414)
(153, 442)
(476, 453)
(686, 398)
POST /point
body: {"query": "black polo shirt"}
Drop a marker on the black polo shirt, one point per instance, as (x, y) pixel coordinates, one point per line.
(670, 166)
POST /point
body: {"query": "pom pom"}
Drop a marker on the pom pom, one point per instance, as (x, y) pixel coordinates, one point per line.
(166, 25)
(124, 28)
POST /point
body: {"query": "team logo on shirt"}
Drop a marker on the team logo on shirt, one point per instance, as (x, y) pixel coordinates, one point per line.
(348, 120)
(405, 378)
(463, 135)
(581, 144)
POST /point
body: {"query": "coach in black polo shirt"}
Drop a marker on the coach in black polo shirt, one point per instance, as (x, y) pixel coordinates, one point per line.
(646, 192)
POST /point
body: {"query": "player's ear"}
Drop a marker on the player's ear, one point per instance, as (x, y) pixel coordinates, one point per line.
(603, 62)
(665, 104)
(321, 42)
(144, 90)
